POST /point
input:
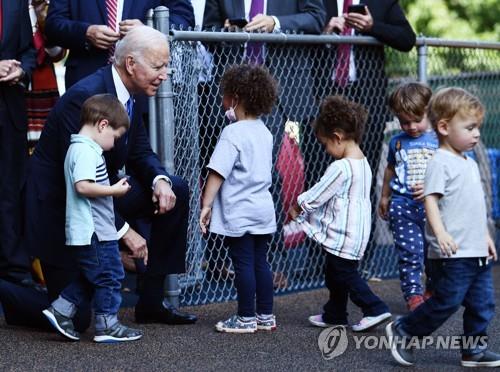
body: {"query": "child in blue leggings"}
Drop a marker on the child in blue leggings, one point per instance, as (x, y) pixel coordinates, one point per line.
(237, 202)
(402, 190)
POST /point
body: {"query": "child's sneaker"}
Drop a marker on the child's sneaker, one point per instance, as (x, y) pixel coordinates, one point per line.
(62, 323)
(117, 333)
(317, 321)
(401, 354)
(484, 359)
(414, 302)
(267, 323)
(369, 322)
(237, 324)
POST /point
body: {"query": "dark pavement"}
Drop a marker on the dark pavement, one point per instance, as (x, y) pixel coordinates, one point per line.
(293, 347)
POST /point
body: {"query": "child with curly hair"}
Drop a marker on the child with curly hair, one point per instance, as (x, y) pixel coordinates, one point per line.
(237, 202)
(336, 213)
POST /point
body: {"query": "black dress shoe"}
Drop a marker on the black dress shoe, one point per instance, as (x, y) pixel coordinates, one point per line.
(167, 315)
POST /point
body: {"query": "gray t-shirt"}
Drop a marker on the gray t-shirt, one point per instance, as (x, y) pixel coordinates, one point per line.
(243, 156)
(462, 206)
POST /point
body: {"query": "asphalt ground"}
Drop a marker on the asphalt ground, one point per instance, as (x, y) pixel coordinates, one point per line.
(292, 347)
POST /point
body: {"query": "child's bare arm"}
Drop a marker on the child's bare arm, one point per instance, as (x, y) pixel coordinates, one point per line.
(492, 251)
(91, 189)
(383, 207)
(445, 241)
(212, 187)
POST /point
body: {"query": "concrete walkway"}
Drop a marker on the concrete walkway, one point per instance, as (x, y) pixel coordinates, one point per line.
(293, 347)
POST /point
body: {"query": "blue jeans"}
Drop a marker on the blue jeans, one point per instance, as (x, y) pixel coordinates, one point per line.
(101, 272)
(253, 277)
(343, 281)
(460, 281)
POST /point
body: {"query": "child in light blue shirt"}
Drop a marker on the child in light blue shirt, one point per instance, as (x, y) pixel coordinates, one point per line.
(90, 224)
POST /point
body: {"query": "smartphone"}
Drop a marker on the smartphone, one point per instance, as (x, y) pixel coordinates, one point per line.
(360, 8)
(238, 22)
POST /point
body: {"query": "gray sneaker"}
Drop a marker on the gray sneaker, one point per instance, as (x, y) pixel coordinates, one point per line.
(484, 359)
(400, 352)
(117, 333)
(61, 323)
(236, 324)
(266, 324)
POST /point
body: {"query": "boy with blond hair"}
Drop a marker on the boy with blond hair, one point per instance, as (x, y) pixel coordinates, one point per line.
(460, 247)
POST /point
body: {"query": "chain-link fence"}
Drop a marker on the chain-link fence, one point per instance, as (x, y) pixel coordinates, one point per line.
(303, 66)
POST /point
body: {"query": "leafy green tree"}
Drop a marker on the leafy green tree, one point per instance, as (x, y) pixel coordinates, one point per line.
(455, 19)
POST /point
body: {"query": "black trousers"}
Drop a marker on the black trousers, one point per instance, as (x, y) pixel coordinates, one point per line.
(14, 261)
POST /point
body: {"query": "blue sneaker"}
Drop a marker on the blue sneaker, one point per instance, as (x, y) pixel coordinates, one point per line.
(237, 324)
(266, 323)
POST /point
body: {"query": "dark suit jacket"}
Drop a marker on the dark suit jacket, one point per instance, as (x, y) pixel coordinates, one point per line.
(306, 16)
(390, 25)
(16, 43)
(68, 20)
(46, 199)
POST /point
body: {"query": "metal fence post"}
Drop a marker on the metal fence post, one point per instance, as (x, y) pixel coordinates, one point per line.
(422, 62)
(165, 135)
(153, 138)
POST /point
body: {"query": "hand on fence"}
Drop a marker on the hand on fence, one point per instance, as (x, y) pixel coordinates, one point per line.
(205, 215)
(136, 244)
(360, 22)
(261, 22)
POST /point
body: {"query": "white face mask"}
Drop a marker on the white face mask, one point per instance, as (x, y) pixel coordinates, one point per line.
(230, 114)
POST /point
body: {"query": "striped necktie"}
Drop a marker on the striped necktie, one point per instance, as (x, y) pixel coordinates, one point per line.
(111, 11)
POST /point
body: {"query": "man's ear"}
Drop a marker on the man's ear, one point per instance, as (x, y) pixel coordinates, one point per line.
(101, 124)
(442, 127)
(129, 64)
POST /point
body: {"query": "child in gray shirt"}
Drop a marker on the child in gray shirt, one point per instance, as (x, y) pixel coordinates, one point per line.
(460, 247)
(237, 202)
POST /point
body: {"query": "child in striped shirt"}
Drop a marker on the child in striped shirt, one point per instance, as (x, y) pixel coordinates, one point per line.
(336, 213)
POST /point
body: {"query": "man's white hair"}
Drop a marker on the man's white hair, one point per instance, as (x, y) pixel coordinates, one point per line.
(137, 42)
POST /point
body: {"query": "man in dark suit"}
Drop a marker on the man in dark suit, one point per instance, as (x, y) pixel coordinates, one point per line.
(367, 83)
(300, 16)
(17, 60)
(82, 27)
(140, 64)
